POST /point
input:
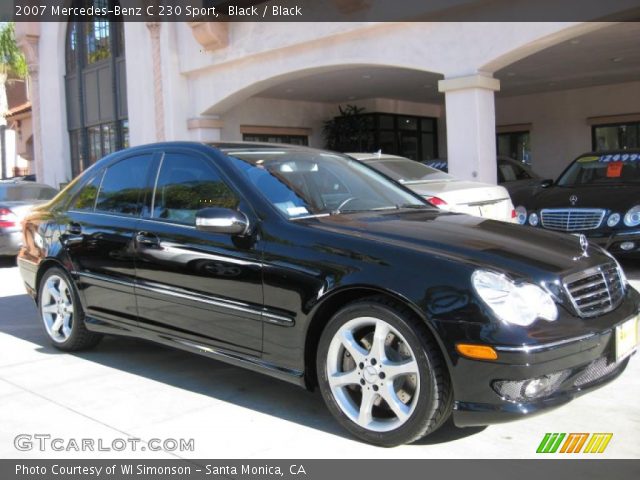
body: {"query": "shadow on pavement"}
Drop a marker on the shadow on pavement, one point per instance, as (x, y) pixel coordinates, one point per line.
(7, 262)
(195, 373)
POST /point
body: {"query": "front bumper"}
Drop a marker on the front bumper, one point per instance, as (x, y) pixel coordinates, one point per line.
(614, 241)
(10, 242)
(589, 365)
(586, 360)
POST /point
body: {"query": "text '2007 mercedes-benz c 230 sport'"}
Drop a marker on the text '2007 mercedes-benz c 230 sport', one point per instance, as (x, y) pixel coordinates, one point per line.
(313, 268)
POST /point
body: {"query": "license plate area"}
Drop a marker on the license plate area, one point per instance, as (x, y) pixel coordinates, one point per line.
(490, 210)
(626, 338)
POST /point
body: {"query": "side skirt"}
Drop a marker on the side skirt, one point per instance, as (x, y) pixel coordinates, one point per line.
(111, 328)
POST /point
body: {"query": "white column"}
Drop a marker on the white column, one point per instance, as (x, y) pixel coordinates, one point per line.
(158, 90)
(205, 129)
(29, 44)
(471, 126)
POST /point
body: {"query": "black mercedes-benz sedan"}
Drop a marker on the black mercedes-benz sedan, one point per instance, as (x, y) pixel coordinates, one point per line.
(313, 268)
(597, 195)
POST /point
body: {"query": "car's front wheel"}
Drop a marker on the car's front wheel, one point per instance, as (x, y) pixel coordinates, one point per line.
(381, 374)
(61, 312)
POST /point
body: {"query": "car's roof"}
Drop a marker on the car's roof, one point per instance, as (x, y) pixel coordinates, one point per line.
(248, 146)
(610, 152)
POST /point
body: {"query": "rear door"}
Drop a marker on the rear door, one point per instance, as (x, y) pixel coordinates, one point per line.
(98, 232)
(200, 286)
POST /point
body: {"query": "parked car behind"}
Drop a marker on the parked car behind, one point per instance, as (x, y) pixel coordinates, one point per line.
(517, 177)
(16, 200)
(598, 195)
(443, 190)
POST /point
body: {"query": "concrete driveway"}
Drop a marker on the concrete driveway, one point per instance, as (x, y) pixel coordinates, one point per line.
(127, 388)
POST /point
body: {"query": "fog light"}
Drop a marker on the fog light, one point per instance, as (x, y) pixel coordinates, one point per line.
(626, 246)
(530, 389)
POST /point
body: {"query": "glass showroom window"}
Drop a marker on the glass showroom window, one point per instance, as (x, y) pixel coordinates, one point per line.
(276, 138)
(516, 145)
(618, 136)
(95, 87)
(408, 136)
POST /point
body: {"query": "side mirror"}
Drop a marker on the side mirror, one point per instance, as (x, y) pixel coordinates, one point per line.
(546, 183)
(222, 220)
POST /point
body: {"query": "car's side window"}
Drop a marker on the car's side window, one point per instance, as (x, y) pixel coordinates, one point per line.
(85, 200)
(187, 183)
(123, 186)
(522, 174)
(506, 172)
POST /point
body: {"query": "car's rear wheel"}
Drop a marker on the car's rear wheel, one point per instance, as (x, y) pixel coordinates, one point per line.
(381, 374)
(61, 312)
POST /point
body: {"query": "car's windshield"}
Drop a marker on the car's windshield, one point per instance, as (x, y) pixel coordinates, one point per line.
(408, 171)
(23, 193)
(606, 169)
(303, 183)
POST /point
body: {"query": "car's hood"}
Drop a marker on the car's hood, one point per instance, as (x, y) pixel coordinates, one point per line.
(475, 240)
(614, 197)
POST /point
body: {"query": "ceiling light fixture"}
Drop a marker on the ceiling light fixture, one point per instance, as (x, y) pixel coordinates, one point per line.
(366, 76)
(617, 59)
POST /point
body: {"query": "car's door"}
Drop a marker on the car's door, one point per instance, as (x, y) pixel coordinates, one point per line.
(200, 286)
(98, 232)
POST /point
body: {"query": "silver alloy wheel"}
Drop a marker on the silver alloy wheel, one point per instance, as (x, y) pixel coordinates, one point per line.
(373, 374)
(56, 308)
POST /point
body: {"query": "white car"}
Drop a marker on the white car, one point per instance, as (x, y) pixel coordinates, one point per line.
(443, 190)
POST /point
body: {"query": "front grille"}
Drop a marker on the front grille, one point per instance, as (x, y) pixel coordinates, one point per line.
(572, 219)
(595, 291)
(596, 370)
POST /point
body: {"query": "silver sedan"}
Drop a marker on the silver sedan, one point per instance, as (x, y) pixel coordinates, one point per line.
(17, 198)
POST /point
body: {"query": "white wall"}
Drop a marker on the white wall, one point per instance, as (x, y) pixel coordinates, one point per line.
(278, 113)
(560, 131)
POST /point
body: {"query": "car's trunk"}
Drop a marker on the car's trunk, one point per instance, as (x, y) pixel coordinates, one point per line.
(472, 198)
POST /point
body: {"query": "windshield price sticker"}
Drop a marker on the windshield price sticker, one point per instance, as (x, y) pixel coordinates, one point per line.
(620, 157)
(614, 169)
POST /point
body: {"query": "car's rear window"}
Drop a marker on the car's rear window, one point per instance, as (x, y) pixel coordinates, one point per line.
(23, 193)
(408, 171)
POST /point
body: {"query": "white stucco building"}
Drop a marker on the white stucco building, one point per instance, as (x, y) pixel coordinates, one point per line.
(551, 90)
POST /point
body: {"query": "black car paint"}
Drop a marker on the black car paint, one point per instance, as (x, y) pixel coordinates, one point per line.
(290, 276)
(617, 198)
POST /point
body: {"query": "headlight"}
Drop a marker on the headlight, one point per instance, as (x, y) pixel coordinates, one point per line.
(632, 218)
(521, 214)
(516, 303)
(613, 219)
(533, 219)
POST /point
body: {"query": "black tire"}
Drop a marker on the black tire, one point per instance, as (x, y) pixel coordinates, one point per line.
(79, 337)
(434, 400)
